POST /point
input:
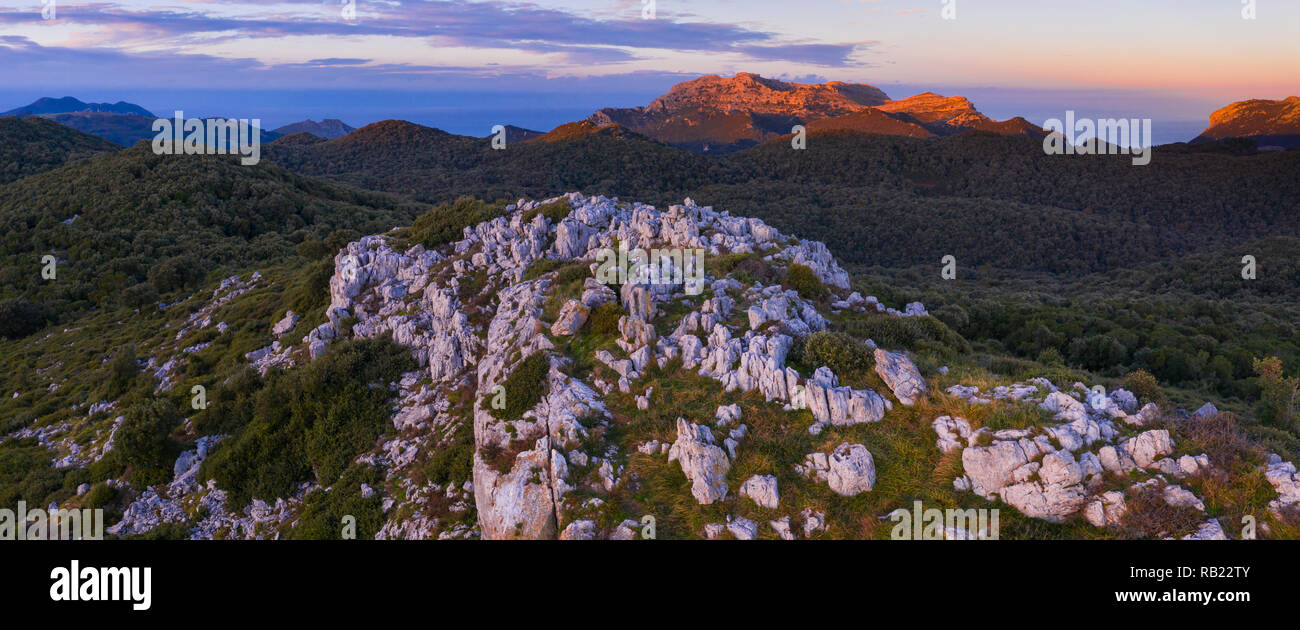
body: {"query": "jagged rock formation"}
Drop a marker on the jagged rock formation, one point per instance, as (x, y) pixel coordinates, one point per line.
(714, 114)
(1049, 472)
(1269, 123)
(526, 468)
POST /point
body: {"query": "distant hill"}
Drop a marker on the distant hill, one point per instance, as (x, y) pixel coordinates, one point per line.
(1269, 123)
(69, 104)
(34, 145)
(715, 114)
(124, 129)
(329, 128)
(300, 138)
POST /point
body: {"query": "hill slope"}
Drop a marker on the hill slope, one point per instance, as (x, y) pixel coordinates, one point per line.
(34, 145)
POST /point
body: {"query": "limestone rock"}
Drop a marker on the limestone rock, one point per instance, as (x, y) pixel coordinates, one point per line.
(901, 376)
(571, 318)
(702, 461)
(761, 489)
(849, 470)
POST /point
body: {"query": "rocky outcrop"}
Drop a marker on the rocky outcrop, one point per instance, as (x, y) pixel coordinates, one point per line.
(761, 489)
(901, 376)
(849, 469)
(702, 461)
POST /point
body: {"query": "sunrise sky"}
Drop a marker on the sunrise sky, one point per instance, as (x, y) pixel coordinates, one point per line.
(463, 65)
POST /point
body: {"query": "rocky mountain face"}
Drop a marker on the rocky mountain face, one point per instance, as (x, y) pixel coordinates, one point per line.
(715, 114)
(329, 128)
(1269, 123)
(518, 309)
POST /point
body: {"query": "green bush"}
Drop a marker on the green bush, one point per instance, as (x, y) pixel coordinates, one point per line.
(142, 440)
(120, 371)
(524, 388)
(453, 461)
(1279, 397)
(805, 281)
(892, 332)
(306, 424)
(19, 318)
(842, 353)
(1145, 387)
(99, 496)
(447, 222)
(603, 320)
(556, 211)
(140, 295)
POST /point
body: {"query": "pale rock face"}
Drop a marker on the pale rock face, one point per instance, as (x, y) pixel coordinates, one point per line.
(1125, 400)
(1148, 446)
(849, 470)
(594, 293)
(579, 530)
(782, 528)
(1286, 481)
(901, 376)
(990, 468)
(761, 489)
(727, 414)
(832, 404)
(702, 461)
(813, 521)
(571, 318)
(1105, 509)
(285, 325)
(1210, 530)
(743, 528)
(1181, 497)
(1206, 410)
(1051, 502)
(954, 434)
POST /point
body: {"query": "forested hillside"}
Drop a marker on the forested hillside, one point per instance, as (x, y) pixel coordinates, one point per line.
(989, 200)
(35, 145)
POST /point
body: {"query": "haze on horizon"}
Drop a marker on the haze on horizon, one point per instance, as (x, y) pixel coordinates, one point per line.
(464, 65)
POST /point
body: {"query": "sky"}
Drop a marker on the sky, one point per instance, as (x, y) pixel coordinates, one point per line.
(466, 65)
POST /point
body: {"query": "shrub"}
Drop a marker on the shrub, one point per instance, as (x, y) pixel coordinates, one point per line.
(141, 441)
(447, 222)
(19, 318)
(603, 320)
(453, 462)
(1145, 386)
(1147, 515)
(99, 496)
(121, 371)
(802, 279)
(177, 272)
(889, 331)
(524, 387)
(140, 295)
(556, 211)
(1279, 397)
(954, 316)
(841, 353)
(307, 423)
